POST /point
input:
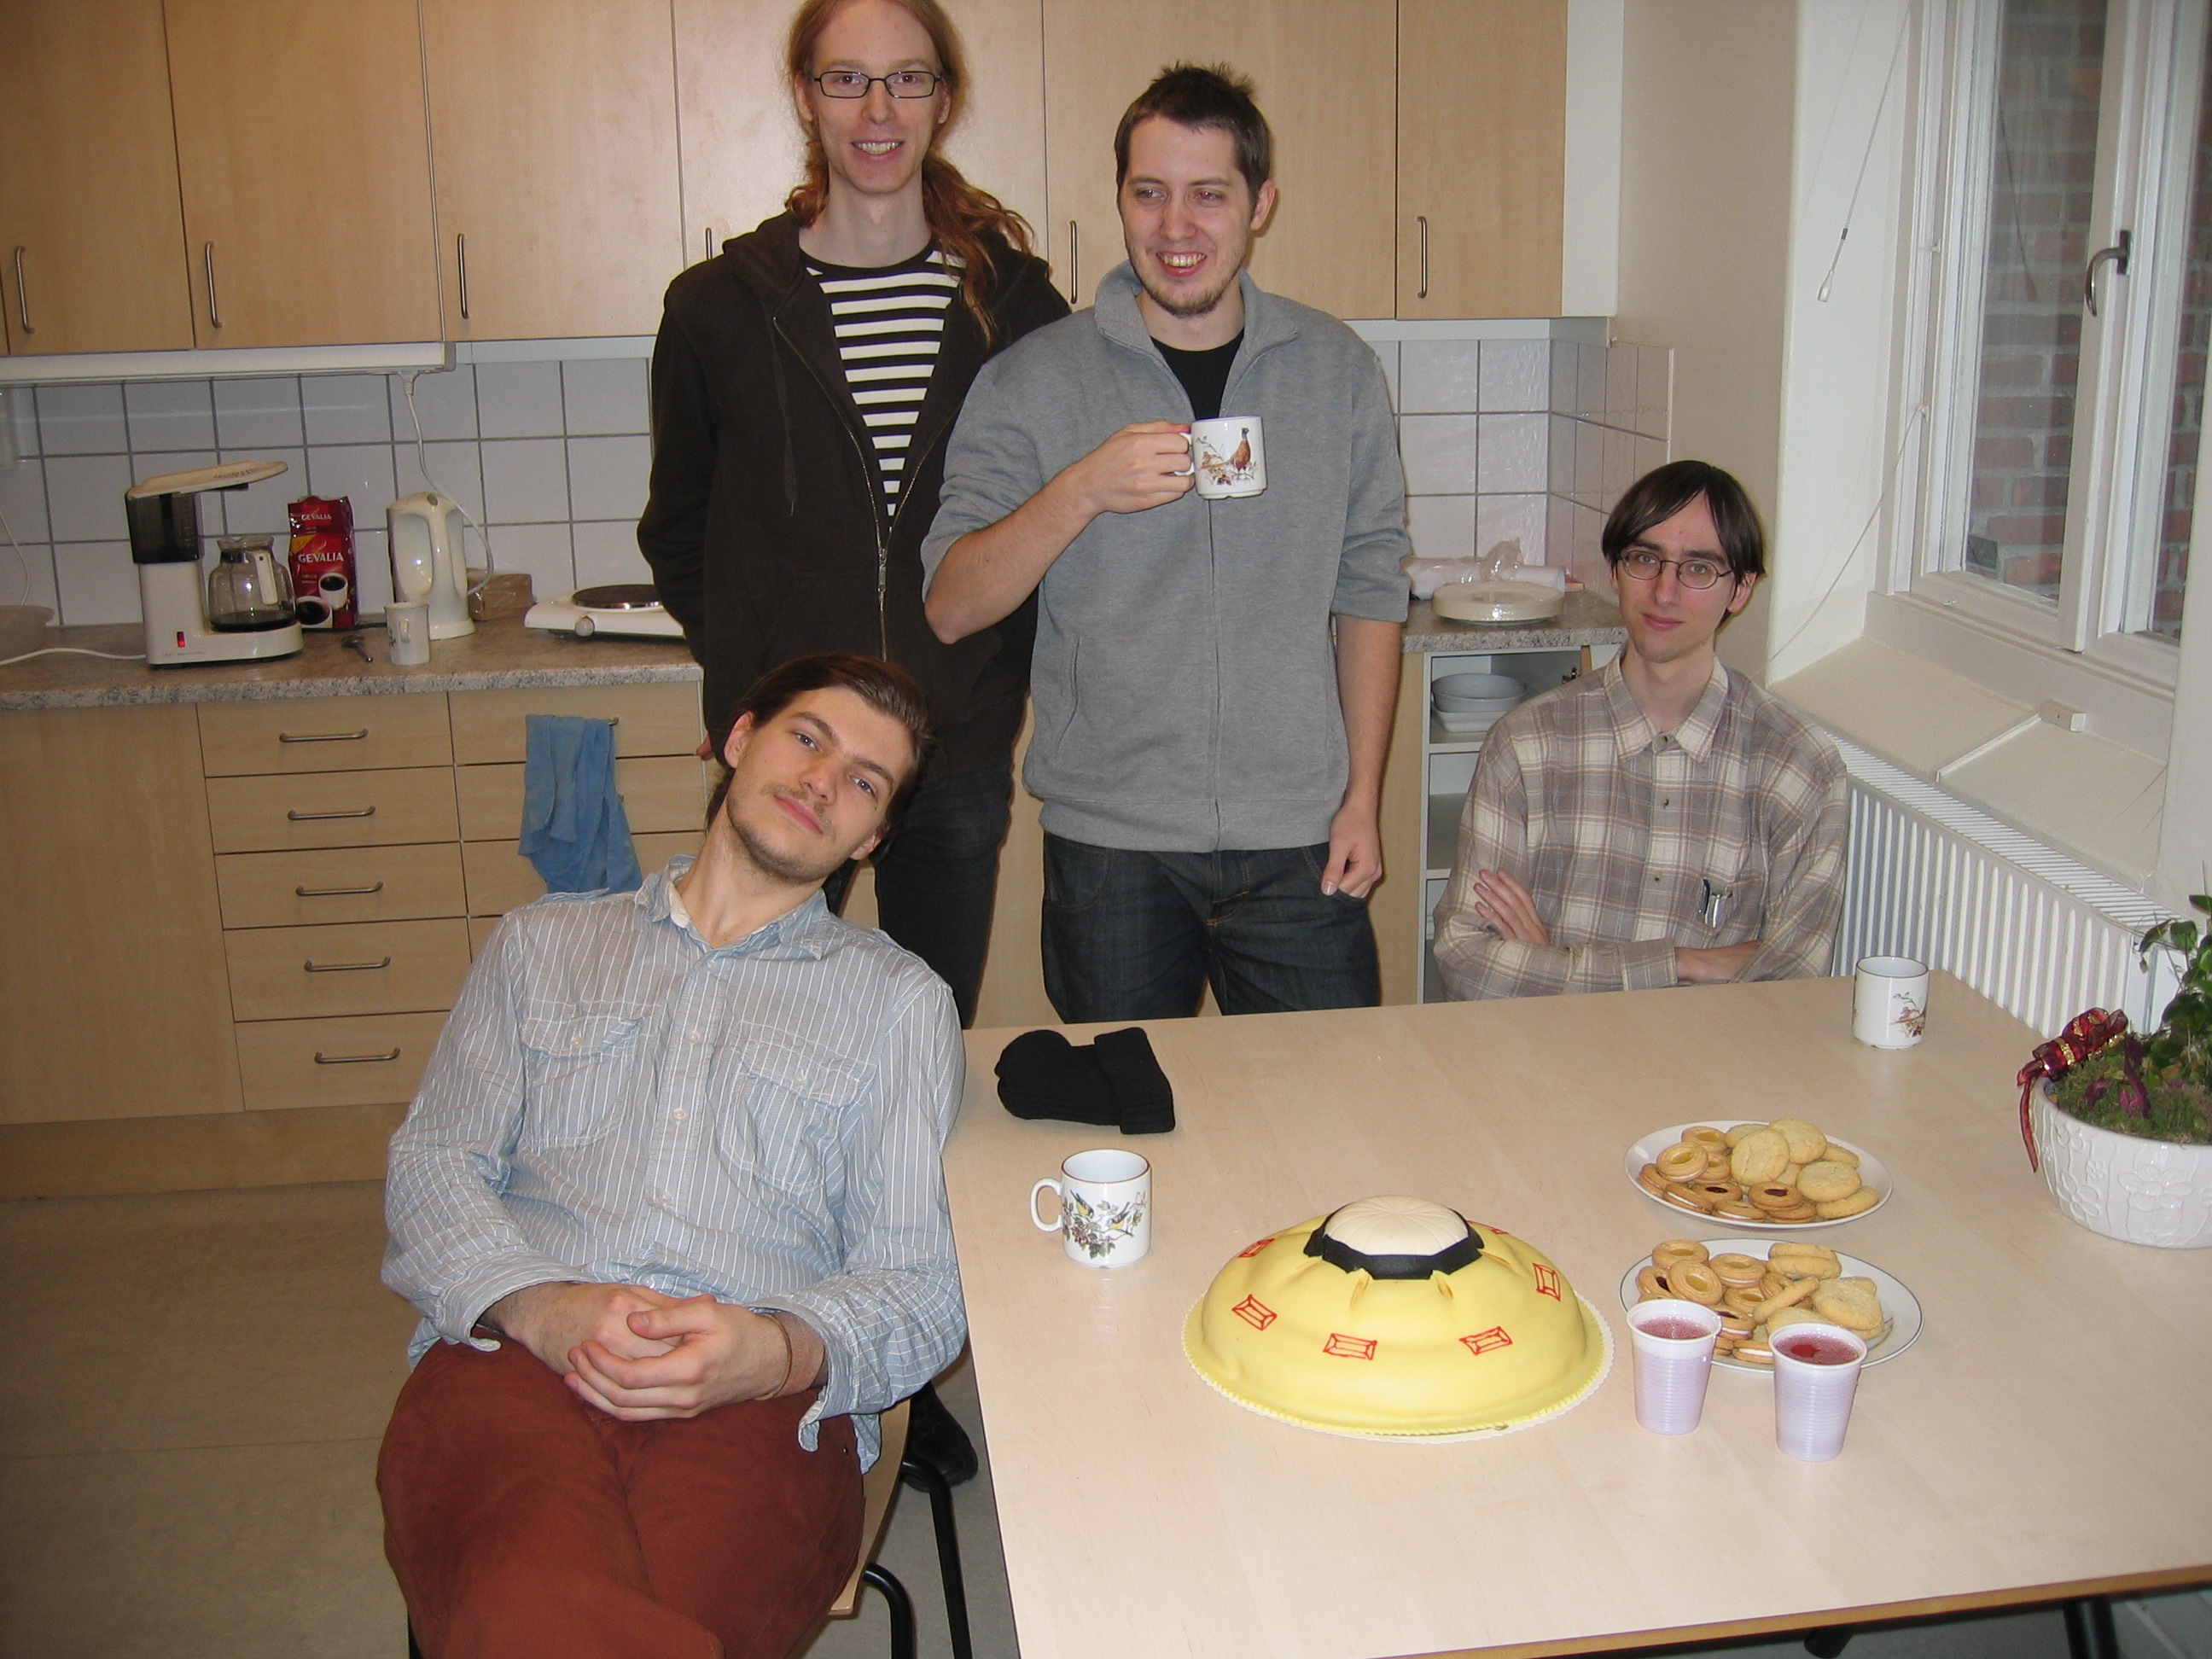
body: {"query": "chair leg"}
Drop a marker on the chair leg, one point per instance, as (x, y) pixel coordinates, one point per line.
(2089, 1632)
(413, 1651)
(900, 1603)
(915, 1473)
(1828, 1643)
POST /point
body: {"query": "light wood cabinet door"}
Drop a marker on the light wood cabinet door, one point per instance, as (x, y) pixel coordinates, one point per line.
(113, 1000)
(91, 229)
(324, 734)
(305, 156)
(1323, 71)
(741, 146)
(554, 128)
(1482, 124)
(492, 727)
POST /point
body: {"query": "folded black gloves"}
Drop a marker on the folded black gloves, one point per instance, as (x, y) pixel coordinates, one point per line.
(1114, 1081)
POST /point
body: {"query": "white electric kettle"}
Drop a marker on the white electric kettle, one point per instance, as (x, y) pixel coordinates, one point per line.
(427, 560)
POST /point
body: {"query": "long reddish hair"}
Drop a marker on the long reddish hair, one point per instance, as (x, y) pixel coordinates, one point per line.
(959, 214)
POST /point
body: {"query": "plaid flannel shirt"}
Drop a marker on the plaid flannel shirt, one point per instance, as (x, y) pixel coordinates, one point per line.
(1633, 840)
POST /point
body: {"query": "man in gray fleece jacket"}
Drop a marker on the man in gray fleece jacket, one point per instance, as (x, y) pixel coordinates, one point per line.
(1213, 680)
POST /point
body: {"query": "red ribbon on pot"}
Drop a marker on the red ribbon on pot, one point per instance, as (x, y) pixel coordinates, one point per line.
(2084, 1035)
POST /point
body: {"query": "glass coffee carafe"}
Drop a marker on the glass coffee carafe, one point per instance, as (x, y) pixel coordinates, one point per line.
(249, 589)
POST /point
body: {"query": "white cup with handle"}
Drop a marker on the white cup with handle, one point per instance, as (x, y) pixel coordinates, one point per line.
(1104, 1213)
(1228, 457)
(1889, 1002)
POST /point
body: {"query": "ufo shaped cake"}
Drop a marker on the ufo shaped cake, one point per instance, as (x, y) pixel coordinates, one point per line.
(1397, 1318)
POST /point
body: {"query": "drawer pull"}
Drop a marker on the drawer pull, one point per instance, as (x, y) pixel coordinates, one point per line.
(345, 967)
(334, 892)
(322, 1058)
(322, 737)
(298, 817)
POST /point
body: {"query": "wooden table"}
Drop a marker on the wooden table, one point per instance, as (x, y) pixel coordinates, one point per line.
(2048, 1435)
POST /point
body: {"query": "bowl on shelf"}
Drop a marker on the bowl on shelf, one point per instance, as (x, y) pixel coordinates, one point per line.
(1487, 695)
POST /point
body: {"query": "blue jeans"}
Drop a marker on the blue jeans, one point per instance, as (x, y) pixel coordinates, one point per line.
(1137, 935)
(937, 877)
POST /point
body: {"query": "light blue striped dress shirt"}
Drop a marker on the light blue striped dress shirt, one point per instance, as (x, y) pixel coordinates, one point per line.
(614, 1102)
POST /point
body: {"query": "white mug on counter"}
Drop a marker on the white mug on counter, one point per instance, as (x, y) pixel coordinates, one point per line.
(1104, 1213)
(1889, 1002)
(408, 624)
(1228, 458)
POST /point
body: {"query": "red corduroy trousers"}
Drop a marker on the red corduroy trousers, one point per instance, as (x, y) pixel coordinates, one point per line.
(520, 1521)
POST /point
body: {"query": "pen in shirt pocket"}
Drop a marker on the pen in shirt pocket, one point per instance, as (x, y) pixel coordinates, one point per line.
(1714, 907)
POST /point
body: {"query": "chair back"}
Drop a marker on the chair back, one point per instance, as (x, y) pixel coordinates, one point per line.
(877, 1488)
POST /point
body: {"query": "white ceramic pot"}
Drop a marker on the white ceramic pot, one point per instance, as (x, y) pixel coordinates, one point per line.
(2138, 1191)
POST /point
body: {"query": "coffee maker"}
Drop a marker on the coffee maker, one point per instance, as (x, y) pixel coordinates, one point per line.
(252, 617)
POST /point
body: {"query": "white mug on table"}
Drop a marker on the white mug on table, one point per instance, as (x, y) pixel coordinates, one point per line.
(1228, 457)
(1889, 1002)
(1104, 1211)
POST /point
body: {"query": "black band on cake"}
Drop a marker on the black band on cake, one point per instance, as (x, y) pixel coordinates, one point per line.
(1450, 1260)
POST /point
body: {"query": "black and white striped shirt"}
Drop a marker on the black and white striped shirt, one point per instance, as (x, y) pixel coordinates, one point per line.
(889, 322)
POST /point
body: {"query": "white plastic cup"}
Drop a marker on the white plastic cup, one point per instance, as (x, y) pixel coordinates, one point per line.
(408, 625)
(1673, 1343)
(1816, 1373)
(1889, 1002)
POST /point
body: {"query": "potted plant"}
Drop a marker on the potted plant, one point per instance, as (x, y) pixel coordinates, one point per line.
(2120, 1123)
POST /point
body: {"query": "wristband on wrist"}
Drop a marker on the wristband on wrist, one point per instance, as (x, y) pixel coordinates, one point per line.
(789, 1358)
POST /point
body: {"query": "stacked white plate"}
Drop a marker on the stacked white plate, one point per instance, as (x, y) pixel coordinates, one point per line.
(1468, 705)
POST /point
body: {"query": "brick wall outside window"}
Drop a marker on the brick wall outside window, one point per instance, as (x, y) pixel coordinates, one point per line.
(2194, 337)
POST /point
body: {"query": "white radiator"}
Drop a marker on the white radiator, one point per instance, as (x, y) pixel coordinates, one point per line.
(2041, 934)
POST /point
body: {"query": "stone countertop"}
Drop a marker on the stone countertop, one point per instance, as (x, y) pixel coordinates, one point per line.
(1589, 619)
(499, 656)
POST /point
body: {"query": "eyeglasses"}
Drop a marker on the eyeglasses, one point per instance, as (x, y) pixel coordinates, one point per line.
(1691, 573)
(900, 83)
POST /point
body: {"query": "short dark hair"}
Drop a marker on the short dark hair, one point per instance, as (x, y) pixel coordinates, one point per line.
(1198, 96)
(884, 686)
(1662, 493)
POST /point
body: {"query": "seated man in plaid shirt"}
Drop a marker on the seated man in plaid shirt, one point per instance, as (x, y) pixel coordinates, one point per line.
(1664, 822)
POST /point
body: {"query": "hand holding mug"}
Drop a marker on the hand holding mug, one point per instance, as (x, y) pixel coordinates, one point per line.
(1140, 466)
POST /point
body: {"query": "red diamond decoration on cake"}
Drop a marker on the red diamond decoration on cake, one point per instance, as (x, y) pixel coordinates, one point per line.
(1483, 1342)
(1500, 1231)
(1254, 1250)
(1547, 1278)
(1255, 1313)
(1349, 1347)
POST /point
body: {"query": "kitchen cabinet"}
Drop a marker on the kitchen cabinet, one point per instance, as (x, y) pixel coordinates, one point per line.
(113, 999)
(740, 141)
(86, 87)
(1482, 112)
(554, 123)
(304, 153)
(1324, 74)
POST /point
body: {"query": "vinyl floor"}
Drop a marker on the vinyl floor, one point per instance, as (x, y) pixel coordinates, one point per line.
(188, 1437)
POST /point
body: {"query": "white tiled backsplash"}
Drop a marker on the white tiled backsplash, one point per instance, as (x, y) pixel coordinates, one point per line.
(1501, 439)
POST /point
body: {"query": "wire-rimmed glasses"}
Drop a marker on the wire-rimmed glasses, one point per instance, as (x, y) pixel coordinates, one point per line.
(1645, 566)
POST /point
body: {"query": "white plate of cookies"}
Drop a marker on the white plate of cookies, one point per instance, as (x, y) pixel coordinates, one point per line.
(1760, 1289)
(1781, 1175)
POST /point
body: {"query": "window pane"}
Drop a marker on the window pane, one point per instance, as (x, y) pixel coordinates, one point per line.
(2195, 334)
(2043, 174)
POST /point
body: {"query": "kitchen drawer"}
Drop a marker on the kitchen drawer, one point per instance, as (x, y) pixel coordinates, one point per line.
(324, 734)
(501, 879)
(650, 719)
(372, 1060)
(344, 884)
(660, 794)
(359, 968)
(332, 809)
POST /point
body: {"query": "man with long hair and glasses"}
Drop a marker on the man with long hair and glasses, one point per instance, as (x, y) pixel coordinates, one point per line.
(1665, 821)
(671, 1204)
(803, 385)
(1214, 679)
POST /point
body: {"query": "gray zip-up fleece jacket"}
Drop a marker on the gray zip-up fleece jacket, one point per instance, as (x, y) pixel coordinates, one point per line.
(1184, 680)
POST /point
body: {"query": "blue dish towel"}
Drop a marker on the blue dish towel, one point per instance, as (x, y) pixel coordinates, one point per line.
(573, 827)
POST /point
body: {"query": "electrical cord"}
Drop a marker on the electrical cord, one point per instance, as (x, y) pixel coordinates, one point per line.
(423, 464)
(23, 565)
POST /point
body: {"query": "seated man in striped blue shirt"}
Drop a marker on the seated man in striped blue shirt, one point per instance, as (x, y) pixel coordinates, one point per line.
(670, 1204)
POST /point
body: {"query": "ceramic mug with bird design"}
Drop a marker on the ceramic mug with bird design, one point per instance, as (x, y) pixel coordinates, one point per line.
(1227, 458)
(1104, 1215)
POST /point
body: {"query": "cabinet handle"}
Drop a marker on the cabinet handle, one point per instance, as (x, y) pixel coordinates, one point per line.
(333, 892)
(461, 261)
(322, 1058)
(298, 817)
(322, 737)
(1422, 220)
(22, 296)
(710, 241)
(345, 967)
(207, 269)
(1074, 249)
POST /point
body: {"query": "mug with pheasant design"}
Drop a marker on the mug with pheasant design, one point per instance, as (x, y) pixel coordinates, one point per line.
(1227, 458)
(1104, 1215)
